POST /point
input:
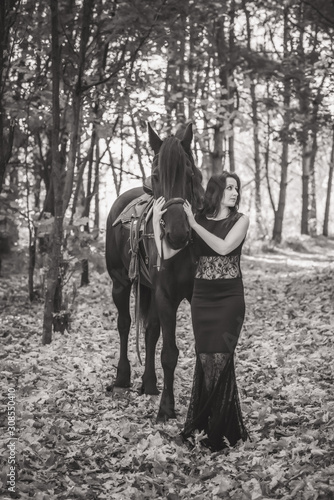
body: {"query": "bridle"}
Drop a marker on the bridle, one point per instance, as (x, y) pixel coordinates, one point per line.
(172, 201)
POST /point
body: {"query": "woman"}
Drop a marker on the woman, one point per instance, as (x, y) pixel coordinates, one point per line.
(218, 310)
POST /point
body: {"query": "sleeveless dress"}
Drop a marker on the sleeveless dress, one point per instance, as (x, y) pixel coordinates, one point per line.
(218, 310)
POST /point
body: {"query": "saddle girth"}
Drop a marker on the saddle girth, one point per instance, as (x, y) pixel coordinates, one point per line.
(138, 233)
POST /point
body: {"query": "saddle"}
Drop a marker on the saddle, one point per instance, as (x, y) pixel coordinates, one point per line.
(135, 217)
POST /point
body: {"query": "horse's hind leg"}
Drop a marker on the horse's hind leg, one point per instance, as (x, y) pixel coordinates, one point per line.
(121, 296)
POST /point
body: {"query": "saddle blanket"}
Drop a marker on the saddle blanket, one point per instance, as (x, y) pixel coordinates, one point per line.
(134, 210)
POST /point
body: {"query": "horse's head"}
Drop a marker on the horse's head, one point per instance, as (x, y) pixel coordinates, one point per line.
(176, 178)
(174, 224)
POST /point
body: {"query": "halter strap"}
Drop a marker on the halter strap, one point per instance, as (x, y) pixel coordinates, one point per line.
(173, 201)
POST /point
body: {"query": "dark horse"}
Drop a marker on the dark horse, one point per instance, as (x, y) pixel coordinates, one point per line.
(175, 177)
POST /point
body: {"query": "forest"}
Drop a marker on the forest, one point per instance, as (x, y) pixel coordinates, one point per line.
(80, 80)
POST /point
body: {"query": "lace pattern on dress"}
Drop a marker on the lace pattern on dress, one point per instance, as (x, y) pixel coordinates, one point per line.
(213, 364)
(214, 404)
(218, 267)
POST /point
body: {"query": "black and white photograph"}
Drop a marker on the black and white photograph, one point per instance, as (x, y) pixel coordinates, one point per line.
(167, 249)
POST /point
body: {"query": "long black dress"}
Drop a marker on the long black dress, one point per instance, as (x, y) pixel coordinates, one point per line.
(218, 310)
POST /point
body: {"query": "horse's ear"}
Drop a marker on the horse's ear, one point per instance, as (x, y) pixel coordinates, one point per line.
(188, 137)
(155, 141)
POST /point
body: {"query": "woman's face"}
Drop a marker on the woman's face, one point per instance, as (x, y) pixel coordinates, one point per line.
(231, 192)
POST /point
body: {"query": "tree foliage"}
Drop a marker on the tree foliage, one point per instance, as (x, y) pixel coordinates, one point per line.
(254, 77)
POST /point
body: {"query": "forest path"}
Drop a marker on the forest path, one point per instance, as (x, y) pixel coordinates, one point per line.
(77, 441)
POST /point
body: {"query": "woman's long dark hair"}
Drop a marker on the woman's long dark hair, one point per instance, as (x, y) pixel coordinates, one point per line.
(214, 193)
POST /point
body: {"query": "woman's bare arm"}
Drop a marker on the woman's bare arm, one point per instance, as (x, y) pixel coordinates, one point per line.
(222, 246)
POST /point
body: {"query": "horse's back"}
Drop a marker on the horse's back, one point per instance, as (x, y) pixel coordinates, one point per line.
(121, 202)
(116, 239)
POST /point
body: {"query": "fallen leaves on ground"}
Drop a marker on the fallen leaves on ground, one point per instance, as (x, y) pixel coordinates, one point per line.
(75, 440)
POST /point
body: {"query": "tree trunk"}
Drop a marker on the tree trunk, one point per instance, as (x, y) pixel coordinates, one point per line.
(217, 155)
(2, 111)
(169, 105)
(193, 74)
(87, 10)
(309, 151)
(97, 189)
(225, 45)
(74, 141)
(256, 141)
(138, 146)
(329, 190)
(257, 161)
(309, 127)
(222, 127)
(267, 157)
(32, 263)
(279, 214)
(180, 107)
(31, 232)
(174, 83)
(231, 155)
(306, 159)
(117, 182)
(55, 252)
(303, 94)
(231, 106)
(86, 210)
(78, 187)
(7, 18)
(312, 222)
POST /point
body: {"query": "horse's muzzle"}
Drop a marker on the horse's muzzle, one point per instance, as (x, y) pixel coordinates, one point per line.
(178, 243)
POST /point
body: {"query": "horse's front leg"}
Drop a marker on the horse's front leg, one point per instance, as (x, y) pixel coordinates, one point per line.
(152, 333)
(169, 356)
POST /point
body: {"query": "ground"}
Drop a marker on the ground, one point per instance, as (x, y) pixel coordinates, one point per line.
(73, 440)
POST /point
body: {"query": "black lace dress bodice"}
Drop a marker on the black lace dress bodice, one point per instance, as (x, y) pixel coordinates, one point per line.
(211, 265)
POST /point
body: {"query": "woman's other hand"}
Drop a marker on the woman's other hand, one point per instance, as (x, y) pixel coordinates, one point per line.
(189, 213)
(157, 209)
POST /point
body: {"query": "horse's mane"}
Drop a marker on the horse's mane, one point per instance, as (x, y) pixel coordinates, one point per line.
(173, 164)
(172, 168)
(197, 188)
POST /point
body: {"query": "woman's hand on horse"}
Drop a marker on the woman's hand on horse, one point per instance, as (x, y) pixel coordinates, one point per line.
(189, 213)
(157, 209)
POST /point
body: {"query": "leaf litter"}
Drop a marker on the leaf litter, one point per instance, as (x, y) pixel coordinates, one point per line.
(76, 440)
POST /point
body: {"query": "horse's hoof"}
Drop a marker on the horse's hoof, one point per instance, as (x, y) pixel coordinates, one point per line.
(163, 416)
(148, 391)
(149, 387)
(117, 388)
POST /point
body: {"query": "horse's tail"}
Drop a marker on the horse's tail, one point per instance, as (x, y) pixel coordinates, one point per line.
(142, 307)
